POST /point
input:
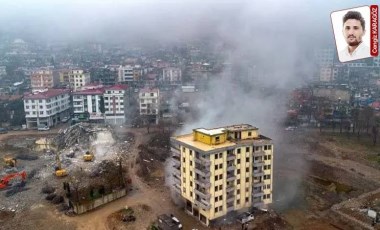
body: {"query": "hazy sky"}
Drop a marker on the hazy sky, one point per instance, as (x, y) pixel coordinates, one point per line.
(119, 20)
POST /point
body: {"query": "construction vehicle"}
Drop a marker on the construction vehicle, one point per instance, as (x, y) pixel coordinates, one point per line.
(10, 161)
(89, 155)
(59, 171)
(7, 180)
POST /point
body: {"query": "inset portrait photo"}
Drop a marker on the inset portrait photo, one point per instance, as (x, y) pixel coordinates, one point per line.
(352, 33)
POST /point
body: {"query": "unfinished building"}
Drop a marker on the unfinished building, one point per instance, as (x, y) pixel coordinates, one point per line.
(220, 170)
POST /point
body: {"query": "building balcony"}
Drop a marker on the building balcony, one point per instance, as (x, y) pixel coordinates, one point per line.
(202, 193)
(230, 187)
(230, 167)
(175, 152)
(203, 161)
(231, 177)
(258, 173)
(257, 193)
(203, 172)
(176, 164)
(177, 171)
(230, 198)
(176, 179)
(177, 188)
(231, 157)
(259, 153)
(202, 204)
(258, 163)
(204, 183)
(258, 184)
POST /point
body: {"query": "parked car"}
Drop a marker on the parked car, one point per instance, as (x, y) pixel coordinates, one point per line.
(43, 128)
(65, 119)
(3, 130)
(166, 222)
(245, 217)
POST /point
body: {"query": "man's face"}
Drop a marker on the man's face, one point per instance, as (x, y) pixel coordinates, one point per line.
(353, 32)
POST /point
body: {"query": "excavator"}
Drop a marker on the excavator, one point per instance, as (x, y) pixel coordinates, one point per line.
(59, 171)
(10, 161)
(4, 182)
(89, 155)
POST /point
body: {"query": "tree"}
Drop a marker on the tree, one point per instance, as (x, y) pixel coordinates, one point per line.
(355, 118)
(367, 116)
(375, 132)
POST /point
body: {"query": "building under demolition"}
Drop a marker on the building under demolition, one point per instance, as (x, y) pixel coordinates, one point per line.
(220, 170)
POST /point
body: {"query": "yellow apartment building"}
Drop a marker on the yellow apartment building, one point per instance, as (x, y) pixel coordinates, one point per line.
(220, 170)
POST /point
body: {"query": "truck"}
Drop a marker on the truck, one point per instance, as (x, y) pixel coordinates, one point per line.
(9, 179)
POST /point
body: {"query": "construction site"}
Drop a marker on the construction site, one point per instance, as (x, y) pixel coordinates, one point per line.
(94, 177)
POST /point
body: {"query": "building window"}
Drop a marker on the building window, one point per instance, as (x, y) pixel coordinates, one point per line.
(220, 155)
(220, 187)
(216, 156)
(216, 199)
(265, 158)
(191, 173)
(238, 150)
(217, 139)
(184, 170)
(191, 163)
(216, 188)
(238, 202)
(184, 159)
(247, 169)
(191, 152)
(220, 176)
(191, 194)
(238, 171)
(183, 149)
(247, 159)
(216, 178)
(238, 161)
(249, 134)
(247, 149)
(191, 184)
(216, 209)
(269, 147)
(220, 208)
(266, 177)
(247, 180)
(246, 199)
(238, 182)
(265, 147)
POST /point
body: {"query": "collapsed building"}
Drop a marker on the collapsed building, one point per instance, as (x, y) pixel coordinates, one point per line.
(221, 170)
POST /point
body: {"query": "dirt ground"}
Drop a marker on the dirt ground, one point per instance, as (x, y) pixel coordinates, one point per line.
(313, 171)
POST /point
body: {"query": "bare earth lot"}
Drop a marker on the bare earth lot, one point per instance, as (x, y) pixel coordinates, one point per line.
(313, 171)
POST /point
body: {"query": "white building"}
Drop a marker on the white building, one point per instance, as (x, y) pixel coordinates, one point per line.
(79, 78)
(46, 108)
(87, 104)
(114, 103)
(150, 103)
(130, 73)
(172, 75)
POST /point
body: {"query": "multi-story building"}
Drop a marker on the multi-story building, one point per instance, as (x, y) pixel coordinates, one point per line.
(115, 98)
(129, 73)
(149, 103)
(220, 170)
(46, 108)
(107, 75)
(172, 75)
(64, 76)
(88, 104)
(43, 79)
(79, 78)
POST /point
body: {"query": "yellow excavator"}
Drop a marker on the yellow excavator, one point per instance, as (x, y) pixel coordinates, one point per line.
(59, 171)
(89, 155)
(10, 161)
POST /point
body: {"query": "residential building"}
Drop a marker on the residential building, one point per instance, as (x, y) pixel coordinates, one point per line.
(107, 75)
(149, 103)
(172, 75)
(220, 170)
(43, 79)
(115, 98)
(129, 73)
(79, 78)
(64, 76)
(87, 104)
(46, 108)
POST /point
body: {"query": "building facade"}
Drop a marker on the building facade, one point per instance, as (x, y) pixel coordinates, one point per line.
(87, 104)
(115, 98)
(43, 79)
(172, 75)
(79, 78)
(129, 73)
(46, 108)
(150, 103)
(220, 170)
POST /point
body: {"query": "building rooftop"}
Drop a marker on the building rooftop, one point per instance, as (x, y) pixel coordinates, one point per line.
(149, 90)
(240, 127)
(98, 91)
(46, 94)
(211, 131)
(117, 87)
(189, 140)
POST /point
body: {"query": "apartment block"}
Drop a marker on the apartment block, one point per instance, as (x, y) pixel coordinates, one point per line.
(87, 104)
(115, 98)
(172, 75)
(149, 103)
(79, 78)
(130, 73)
(220, 170)
(43, 79)
(46, 108)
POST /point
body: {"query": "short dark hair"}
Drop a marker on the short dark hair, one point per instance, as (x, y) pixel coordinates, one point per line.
(354, 15)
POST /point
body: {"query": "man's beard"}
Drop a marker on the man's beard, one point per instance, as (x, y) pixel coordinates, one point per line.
(354, 43)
